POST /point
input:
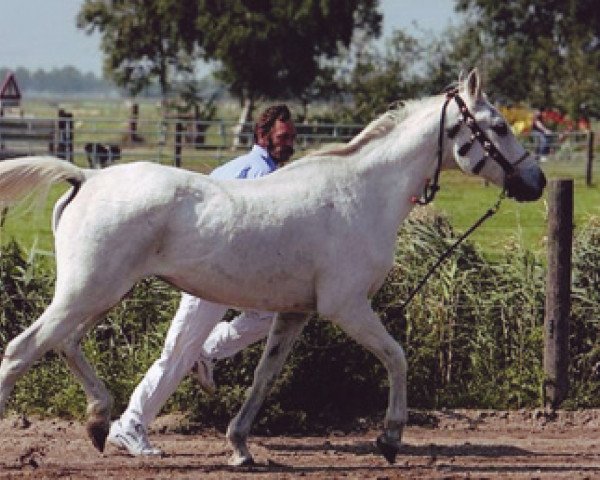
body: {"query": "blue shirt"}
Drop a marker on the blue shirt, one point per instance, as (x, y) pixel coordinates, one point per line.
(254, 164)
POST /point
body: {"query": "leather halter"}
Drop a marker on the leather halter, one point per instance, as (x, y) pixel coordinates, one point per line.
(431, 188)
(489, 148)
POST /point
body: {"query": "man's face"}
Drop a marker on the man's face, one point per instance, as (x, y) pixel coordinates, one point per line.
(279, 142)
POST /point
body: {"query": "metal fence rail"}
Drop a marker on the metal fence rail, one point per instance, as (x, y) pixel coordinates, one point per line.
(564, 147)
(200, 145)
(193, 141)
(188, 143)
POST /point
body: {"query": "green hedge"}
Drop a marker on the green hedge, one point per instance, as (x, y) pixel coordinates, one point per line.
(473, 338)
(584, 370)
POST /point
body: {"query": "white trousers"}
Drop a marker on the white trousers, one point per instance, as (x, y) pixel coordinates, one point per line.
(194, 333)
(228, 338)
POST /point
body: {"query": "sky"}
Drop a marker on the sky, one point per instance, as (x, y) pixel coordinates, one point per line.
(43, 33)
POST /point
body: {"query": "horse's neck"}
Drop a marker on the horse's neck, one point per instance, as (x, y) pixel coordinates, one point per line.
(401, 162)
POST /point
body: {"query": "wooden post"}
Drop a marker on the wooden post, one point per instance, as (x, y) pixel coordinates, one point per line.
(590, 159)
(558, 292)
(64, 149)
(133, 122)
(200, 128)
(178, 142)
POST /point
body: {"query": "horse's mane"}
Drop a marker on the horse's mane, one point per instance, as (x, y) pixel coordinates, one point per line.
(378, 128)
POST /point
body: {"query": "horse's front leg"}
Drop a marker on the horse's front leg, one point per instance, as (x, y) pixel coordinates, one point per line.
(360, 321)
(284, 331)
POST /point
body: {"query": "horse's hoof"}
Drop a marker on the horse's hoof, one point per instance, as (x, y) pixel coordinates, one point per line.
(241, 460)
(97, 433)
(387, 449)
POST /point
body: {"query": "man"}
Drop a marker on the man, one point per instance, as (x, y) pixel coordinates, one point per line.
(542, 135)
(191, 337)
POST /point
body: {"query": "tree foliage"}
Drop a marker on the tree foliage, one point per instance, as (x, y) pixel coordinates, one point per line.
(547, 53)
(378, 79)
(268, 48)
(273, 48)
(544, 54)
(143, 41)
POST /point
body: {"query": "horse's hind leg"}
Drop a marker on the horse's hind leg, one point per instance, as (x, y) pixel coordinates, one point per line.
(60, 321)
(365, 327)
(99, 400)
(285, 330)
(20, 353)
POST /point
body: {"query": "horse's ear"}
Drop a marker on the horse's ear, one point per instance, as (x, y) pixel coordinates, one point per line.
(461, 78)
(474, 84)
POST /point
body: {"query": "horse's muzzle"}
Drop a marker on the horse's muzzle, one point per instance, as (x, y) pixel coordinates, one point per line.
(525, 188)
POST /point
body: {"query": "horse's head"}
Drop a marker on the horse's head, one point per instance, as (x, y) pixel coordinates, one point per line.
(483, 143)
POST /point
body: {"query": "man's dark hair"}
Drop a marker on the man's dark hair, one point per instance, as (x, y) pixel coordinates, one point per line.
(267, 119)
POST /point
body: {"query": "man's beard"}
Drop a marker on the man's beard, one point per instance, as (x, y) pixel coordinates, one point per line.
(284, 154)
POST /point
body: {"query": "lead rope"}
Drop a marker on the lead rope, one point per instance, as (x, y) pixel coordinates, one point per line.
(491, 211)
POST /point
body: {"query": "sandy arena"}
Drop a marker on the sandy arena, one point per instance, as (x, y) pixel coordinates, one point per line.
(445, 445)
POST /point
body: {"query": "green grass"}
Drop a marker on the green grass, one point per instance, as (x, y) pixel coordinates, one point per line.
(465, 199)
(30, 223)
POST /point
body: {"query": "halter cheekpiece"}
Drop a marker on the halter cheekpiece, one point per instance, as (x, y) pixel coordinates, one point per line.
(477, 134)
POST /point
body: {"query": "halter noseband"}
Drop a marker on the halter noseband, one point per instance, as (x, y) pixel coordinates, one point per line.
(431, 188)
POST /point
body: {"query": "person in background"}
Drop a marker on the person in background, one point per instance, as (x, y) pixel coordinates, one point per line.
(542, 136)
(195, 336)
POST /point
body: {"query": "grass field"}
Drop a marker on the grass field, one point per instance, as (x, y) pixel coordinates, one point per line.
(515, 224)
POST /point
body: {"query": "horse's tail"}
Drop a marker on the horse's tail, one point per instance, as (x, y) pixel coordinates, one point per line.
(21, 177)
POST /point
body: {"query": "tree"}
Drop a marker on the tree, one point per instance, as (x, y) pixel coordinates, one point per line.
(274, 48)
(143, 41)
(545, 52)
(377, 80)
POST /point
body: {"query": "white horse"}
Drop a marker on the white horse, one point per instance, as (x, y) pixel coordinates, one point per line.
(317, 235)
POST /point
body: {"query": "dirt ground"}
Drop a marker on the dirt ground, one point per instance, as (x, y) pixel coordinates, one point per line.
(437, 445)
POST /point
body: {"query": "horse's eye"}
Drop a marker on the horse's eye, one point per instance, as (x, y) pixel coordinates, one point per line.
(501, 129)
(452, 131)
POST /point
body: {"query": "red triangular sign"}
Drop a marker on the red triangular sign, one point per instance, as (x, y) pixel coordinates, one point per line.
(9, 89)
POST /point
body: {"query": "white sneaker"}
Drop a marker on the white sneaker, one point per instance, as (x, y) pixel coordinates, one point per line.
(204, 375)
(132, 438)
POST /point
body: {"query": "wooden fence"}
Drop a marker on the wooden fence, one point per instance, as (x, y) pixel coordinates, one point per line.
(19, 136)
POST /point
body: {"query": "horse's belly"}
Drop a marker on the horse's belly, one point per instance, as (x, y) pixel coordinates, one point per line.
(270, 291)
